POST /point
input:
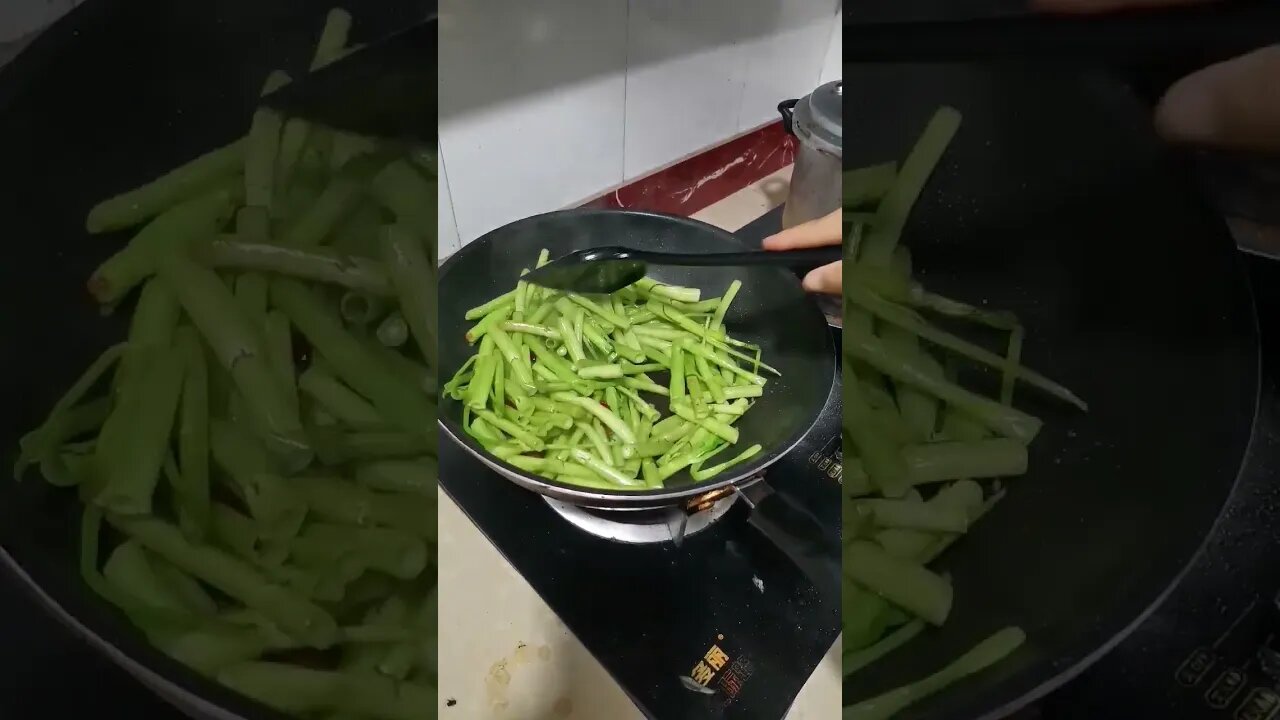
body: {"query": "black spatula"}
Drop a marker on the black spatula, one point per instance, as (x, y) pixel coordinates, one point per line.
(386, 89)
(607, 269)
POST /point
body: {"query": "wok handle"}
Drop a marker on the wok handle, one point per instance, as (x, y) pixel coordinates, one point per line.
(785, 258)
(797, 533)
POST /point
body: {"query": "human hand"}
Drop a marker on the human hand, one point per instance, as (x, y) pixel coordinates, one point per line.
(1231, 105)
(815, 233)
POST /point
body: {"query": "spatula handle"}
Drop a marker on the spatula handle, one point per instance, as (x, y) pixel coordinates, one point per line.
(781, 258)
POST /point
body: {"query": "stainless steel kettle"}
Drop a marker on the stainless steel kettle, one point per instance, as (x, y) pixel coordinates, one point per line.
(815, 121)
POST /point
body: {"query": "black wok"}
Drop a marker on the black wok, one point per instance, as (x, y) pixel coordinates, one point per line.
(109, 97)
(1057, 201)
(771, 310)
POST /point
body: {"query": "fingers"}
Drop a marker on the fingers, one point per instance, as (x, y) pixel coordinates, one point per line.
(828, 279)
(815, 233)
(825, 230)
(1231, 105)
(1085, 7)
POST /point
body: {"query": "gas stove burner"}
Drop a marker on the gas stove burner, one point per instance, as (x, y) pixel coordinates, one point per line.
(643, 527)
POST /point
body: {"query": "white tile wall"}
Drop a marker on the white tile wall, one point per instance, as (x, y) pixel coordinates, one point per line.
(532, 101)
(786, 53)
(546, 103)
(687, 65)
(831, 66)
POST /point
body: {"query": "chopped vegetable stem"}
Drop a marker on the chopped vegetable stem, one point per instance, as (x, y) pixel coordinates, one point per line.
(909, 422)
(231, 252)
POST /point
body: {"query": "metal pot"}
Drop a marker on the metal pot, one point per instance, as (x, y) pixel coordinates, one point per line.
(815, 121)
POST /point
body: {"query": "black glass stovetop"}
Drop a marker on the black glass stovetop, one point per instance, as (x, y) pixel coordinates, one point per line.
(722, 626)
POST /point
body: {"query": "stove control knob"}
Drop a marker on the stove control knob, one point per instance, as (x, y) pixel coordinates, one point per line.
(1261, 704)
(1269, 661)
(1269, 651)
(1195, 667)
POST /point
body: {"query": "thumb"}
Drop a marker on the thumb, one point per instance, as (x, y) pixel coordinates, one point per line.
(828, 279)
(815, 233)
(1231, 105)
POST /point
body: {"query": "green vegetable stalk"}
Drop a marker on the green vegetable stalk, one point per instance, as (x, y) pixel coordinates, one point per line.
(556, 386)
(242, 563)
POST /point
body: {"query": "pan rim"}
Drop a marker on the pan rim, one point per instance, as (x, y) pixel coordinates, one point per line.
(155, 680)
(621, 498)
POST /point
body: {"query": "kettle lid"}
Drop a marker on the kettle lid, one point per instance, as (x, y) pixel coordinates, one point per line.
(818, 117)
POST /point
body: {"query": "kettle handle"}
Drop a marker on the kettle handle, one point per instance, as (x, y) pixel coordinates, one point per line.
(787, 108)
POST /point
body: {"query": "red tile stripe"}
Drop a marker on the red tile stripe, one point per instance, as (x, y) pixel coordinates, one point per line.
(708, 177)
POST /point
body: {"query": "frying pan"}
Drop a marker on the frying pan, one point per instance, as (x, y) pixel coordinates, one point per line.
(771, 310)
(1057, 201)
(116, 93)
